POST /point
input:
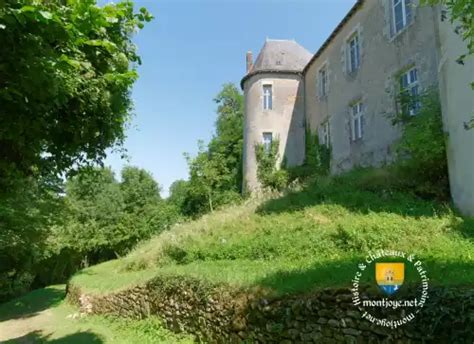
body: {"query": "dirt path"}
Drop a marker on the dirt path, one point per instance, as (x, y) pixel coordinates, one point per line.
(24, 328)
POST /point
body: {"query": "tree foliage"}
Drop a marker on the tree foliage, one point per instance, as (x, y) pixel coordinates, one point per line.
(215, 176)
(106, 218)
(66, 68)
(422, 147)
(268, 172)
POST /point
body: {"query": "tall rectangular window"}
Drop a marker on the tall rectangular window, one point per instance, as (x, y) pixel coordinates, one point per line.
(267, 97)
(353, 53)
(325, 138)
(410, 87)
(323, 82)
(402, 14)
(267, 140)
(357, 121)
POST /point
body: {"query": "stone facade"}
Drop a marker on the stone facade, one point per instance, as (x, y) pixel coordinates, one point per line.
(383, 57)
(286, 121)
(351, 111)
(223, 314)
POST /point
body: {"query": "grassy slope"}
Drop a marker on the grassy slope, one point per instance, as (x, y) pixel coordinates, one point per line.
(307, 239)
(42, 317)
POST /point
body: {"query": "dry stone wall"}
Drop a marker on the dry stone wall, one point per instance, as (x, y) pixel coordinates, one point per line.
(221, 314)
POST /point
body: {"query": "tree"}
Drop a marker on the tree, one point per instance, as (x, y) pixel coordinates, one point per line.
(215, 176)
(66, 69)
(105, 218)
(138, 188)
(178, 192)
(228, 139)
(25, 220)
(95, 207)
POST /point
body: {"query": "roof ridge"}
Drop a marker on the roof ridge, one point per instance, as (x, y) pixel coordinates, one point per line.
(279, 40)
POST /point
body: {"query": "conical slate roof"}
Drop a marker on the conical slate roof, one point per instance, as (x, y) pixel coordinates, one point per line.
(281, 55)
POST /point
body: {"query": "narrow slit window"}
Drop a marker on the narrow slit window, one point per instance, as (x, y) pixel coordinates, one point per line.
(267, 97)
(267, 140)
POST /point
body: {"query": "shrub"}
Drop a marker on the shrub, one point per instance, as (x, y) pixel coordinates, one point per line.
(318, 156)
(268, 174)
(421, 150)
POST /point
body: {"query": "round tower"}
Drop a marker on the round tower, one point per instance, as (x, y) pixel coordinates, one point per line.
(274, 105)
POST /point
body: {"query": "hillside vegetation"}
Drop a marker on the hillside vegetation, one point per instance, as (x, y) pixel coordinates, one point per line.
(309, 238)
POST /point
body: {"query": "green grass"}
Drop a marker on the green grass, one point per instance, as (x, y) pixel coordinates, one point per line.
(43, 317)
(307, 239)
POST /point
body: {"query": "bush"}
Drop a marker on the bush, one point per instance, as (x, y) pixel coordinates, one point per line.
(318, 156)
(317, 160)
(421, 150)
(268, 174)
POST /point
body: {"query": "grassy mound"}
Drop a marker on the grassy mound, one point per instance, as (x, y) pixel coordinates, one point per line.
(306, 239)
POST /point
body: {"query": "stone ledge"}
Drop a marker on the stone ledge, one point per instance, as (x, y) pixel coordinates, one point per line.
(223, 314)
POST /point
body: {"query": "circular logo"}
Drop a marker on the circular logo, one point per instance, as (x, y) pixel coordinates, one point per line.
(390, 287)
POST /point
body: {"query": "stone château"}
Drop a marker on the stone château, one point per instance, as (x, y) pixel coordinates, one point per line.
(348, 89)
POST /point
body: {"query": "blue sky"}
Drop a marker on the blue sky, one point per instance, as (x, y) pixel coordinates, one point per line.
(189, 51)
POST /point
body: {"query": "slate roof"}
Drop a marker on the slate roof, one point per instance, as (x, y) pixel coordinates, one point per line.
(280, 56)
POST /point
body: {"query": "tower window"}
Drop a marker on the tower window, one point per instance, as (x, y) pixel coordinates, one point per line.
(267, 141)
(267, 97)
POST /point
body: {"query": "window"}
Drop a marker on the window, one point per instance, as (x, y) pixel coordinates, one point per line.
(357, 121)
(324, 134)
(410, 88)
(401, 14)
(267, 97)
(267, 141)
(323, 82)
(353, 53)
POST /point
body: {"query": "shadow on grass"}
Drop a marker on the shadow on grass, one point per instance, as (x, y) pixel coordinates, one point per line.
(339, 274)
(466, 228)
(33, 303)
(75, 338)
(355, 196)
(445, 316)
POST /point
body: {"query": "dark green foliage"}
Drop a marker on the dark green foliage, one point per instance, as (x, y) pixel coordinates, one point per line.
(318, 156)
(215, 174)
(268, 173)
(317, 159)
(65, 78)
(66, 70)
(422, 152)
(105, 218)
(178, 193)
(26, 213)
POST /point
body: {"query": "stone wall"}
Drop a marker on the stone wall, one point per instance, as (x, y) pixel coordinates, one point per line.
(220, 314)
